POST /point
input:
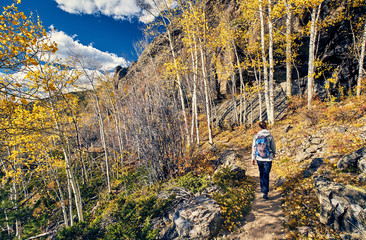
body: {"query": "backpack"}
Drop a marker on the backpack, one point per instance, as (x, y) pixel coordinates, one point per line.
(261, 146)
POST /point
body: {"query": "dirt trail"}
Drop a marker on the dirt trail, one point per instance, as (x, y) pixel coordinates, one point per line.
(265, 221)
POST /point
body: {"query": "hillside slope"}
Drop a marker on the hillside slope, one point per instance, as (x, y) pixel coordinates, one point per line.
(311, 145)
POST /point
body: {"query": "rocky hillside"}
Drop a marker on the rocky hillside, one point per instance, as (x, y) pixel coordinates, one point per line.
(336, 50)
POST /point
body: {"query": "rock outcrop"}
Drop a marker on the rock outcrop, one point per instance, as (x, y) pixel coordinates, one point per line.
(310, 148)
(199, 218)
(342, 207)
(354, 162)
(191, 217)
(225, 113)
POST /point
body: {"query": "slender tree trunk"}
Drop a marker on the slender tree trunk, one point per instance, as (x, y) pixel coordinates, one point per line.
(75, 189)
(102, 138)
(242, 92)
(311, 68)
(69, 191)
(194, 57)
(5, 212)
(179, 84)
(71, 177)
(360, 62)
(62, 201)
(7, 222)
(264, 60)
(195, 99)
(207, 100)
(18, 232)
(271, 118)
(258, 80)
(288, 50)
(233, 90)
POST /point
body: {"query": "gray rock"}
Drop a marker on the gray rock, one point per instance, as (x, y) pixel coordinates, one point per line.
(307, 174)
(227, 157)
(350, 162)
(313, 167)
(362, 178)
(363, 135)
(302, 156)
(341, 207)
(287, 128)
(362, 164)
(315, 164)
(198, 218)
(280, 181)
(313, 149)
(316, 140)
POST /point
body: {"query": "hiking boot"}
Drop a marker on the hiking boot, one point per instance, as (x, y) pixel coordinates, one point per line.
(265, 197)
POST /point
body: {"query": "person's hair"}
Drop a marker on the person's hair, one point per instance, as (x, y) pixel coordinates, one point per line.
(263, 125)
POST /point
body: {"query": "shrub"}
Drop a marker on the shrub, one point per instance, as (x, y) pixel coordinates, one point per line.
(193, 183)
(236, 198)
(80, 231)
(133, 214)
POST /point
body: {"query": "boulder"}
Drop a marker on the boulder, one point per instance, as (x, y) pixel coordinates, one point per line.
(313, 167)
(302, 156)
(362, 178)
(198, 218)
(351, 161)
(313, 149)
(226, 158)
(342, 207)
(316, 140)
(362, 164)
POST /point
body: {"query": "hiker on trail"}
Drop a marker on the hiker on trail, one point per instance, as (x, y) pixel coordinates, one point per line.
(263, 150)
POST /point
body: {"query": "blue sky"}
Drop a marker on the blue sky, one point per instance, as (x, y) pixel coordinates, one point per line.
(104, 29)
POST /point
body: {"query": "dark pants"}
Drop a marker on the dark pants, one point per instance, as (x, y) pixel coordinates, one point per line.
(264, 169)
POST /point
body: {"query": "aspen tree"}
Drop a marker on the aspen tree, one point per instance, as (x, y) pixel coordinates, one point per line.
(288, 48)
(264, 61)
(195, 32)
(315, 13)
(165, 10)
(271, 117)
(201, 32)
(361, 61)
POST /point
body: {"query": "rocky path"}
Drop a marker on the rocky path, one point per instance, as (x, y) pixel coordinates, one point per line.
(265, 221)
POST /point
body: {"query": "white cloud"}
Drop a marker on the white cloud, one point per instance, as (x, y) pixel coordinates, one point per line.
(118, 9)
(68, 46)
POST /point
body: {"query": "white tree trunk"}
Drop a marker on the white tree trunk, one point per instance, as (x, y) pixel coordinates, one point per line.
(288, 50)
(102, 138)
(194, 96)
(360, 62)
(271, 117)
(62, 201)
(311, 66)
(181, 95)
(264, 60)
(69, 191)
(242, 90)
(207, 100)
(258, 77)
(75, 188)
